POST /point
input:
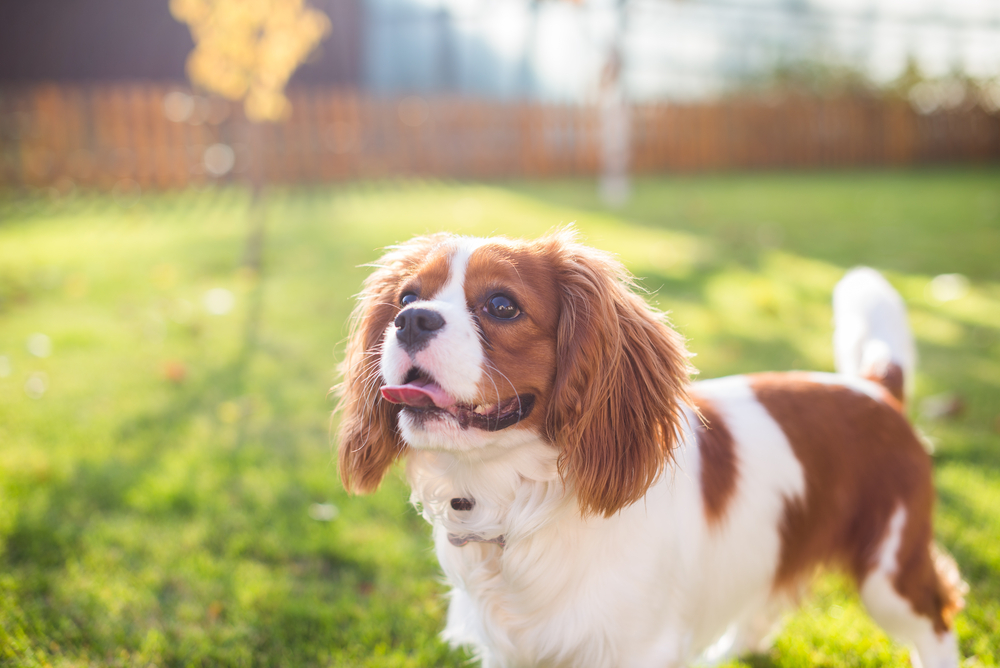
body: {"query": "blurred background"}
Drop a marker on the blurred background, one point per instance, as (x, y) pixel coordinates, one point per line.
(189, 192)
(95, 92)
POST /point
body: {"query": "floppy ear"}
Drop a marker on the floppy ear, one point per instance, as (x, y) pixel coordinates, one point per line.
(621, 382)
(369, 439)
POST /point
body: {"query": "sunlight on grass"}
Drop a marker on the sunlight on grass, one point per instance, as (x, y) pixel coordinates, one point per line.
(161, 460)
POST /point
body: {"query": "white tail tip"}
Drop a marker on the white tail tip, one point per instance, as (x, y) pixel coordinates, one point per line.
(871, 329)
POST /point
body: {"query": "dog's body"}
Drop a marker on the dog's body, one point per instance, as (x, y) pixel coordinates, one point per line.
(539, 404)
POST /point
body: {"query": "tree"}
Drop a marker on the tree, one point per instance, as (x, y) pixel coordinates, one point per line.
(247, 50)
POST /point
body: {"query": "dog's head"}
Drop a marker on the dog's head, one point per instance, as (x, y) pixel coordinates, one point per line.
(468, 345)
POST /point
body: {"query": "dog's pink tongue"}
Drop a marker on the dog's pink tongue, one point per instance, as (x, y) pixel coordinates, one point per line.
(418, 395)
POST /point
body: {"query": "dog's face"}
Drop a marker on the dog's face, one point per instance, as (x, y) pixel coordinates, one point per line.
(470, 356)
(465, 345)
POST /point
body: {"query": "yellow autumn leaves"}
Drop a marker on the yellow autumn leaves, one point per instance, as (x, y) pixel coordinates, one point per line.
(248, 49)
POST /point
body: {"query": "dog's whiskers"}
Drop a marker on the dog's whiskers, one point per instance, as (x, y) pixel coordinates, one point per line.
(504, 376)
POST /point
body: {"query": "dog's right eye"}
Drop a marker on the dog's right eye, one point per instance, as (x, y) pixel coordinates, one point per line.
(408, 298)
(502, 307)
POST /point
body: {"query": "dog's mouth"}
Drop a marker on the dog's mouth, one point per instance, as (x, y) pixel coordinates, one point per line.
(425, 399)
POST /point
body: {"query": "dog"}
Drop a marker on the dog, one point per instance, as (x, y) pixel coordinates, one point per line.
(590, 505)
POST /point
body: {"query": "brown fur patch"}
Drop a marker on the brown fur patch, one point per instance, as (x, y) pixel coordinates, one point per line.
(891, 378)
(621, 380)
(431, 275)
(369, 442)
(719, 465)
(861, 461)
(521, 352)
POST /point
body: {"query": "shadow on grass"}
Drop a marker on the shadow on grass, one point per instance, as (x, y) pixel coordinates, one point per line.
(49, 538)
(217, 596)
(759, 660)
(979, 572)
(229, 380)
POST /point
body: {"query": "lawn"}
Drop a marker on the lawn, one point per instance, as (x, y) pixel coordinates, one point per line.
(168, 494)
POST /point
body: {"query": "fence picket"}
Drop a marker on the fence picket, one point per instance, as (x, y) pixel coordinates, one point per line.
(95, 136)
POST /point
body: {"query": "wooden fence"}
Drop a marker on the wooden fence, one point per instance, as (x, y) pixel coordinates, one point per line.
(164, 137)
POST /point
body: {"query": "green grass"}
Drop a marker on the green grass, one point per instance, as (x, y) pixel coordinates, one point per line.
(149, 520)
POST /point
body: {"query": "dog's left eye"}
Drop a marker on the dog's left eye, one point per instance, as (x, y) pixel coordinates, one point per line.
(502, 306)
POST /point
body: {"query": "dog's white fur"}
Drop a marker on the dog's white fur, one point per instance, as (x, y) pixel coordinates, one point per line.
(871, 327)
(651, 586)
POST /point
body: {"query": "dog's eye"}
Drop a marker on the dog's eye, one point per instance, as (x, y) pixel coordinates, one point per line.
(502, 306)
(408, 298)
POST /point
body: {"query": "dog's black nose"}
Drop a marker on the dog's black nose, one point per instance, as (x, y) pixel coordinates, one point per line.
(463, 504)
(415, 327)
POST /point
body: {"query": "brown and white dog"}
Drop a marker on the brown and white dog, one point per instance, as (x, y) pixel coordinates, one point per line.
(593, 507)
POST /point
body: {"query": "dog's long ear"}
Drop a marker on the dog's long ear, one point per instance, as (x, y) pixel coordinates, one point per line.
(369, 440)
(620, 384)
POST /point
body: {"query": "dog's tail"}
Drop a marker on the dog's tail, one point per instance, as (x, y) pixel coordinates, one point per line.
(872, 338)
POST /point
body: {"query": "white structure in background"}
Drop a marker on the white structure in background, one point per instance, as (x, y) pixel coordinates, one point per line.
(616, 134)
(665, 51)
(673, 49)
